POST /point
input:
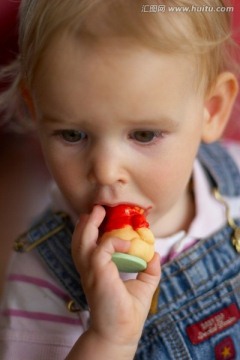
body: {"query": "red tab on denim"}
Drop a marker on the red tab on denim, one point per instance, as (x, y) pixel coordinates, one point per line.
(225, 350)
(213, 324)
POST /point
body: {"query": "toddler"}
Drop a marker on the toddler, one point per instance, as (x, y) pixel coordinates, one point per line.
(129, 100)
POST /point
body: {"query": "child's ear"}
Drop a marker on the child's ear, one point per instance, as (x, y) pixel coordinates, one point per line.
(27, 97)
(218, 106)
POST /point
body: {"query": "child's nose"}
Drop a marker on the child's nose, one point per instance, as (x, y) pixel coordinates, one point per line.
(107, 167)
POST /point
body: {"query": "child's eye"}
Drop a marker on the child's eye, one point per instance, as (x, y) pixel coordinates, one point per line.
(72, 136)
(144, 136)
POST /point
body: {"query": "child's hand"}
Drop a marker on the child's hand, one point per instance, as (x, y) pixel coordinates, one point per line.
(118, 309)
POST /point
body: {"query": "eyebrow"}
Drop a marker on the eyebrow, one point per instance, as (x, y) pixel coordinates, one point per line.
(161, 121)
(52, 119)
(58, 120)
(155, 120)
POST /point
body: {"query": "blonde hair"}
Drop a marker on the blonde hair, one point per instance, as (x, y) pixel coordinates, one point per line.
(200, 31)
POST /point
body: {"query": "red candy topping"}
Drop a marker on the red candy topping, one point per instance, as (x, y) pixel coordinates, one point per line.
(122, 215)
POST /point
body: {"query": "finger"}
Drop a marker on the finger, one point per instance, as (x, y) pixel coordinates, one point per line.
(102, 255)
(147, 283)
(154, 267)
(152, 274)
(101, 266)
(87, 227)
(86, 234)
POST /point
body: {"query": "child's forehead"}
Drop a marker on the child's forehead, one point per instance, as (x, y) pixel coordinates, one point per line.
(112, 67)
(182, 33)
(133, 75)
(112, 51)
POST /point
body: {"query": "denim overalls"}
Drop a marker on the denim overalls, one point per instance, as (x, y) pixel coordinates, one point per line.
(197, 313)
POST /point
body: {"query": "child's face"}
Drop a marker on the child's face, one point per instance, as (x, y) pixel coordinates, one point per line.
(120, 124)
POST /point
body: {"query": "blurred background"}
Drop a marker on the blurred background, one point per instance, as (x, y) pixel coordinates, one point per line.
(24, 178)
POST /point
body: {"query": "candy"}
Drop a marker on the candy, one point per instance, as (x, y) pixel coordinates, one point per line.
(128, 222)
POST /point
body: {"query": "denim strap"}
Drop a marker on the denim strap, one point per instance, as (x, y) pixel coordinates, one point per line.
(220, 168)
(52, 239)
